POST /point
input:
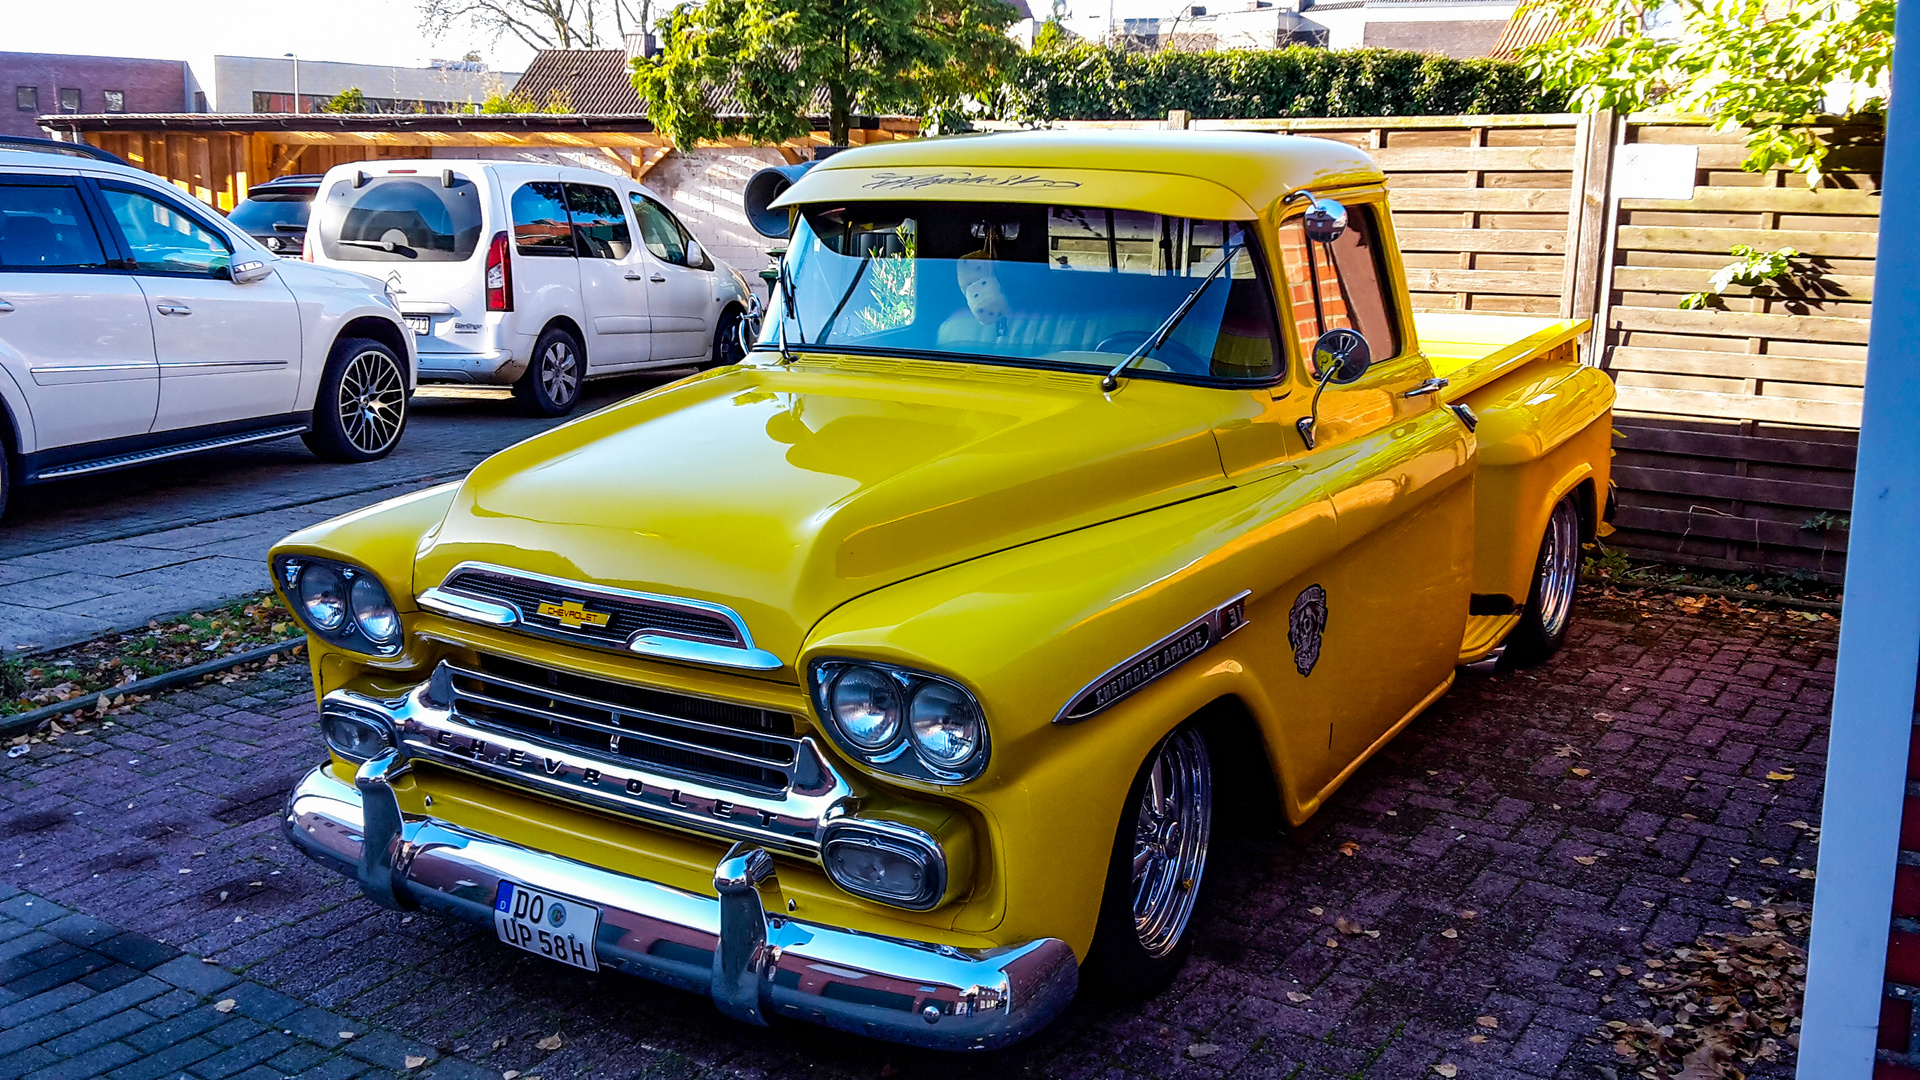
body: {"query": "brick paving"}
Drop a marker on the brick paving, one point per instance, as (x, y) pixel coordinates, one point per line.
(82, 557)
(1615, 800)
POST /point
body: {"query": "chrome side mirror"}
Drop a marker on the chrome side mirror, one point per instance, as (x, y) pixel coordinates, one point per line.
(1325, 221)
(1340, 356)
(250, 271)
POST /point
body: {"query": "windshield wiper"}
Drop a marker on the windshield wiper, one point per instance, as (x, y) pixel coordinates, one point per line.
(827, 328)
(1111, 380)
(380, 245)
(786, 312)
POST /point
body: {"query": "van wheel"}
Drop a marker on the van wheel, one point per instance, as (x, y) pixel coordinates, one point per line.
(361, 407)
(1556, 575)
(551, 386)
(726, 338)
(1157, 871)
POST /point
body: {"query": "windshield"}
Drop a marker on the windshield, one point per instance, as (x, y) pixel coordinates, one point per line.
(1052, 286)
(401, 219)
(260, 213)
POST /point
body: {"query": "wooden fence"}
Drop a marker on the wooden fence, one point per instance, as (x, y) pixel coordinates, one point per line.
(1736, 425)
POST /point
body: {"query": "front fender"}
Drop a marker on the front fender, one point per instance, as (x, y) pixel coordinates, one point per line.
(1029, 628)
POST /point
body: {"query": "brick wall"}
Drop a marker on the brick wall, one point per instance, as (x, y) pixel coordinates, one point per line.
(1899, 1044)
(149, 85)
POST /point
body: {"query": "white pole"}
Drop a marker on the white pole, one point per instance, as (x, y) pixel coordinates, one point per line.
(1873, 693)
(296, 80)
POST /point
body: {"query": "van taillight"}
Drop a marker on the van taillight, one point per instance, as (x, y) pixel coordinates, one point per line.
(499, 275)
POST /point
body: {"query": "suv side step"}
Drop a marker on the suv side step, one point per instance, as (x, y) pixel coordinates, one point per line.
(160, 453)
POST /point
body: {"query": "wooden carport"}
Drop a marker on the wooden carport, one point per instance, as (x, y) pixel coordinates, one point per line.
(217, 157)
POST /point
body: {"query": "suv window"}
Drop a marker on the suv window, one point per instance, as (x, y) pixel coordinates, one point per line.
(401, 219)
(540, 222)
(1351, 291)
(663, 234)
(163, 238)
(46, 227)
(599, 225)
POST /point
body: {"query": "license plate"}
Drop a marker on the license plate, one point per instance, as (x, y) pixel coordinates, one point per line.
(422, 325)
(556, 927)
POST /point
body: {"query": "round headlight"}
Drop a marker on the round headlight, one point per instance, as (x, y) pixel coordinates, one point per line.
(944, 724)
(866, 705)
(323, 596)
(373, 612)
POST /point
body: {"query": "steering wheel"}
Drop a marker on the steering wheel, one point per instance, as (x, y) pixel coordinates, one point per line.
(1126, 341)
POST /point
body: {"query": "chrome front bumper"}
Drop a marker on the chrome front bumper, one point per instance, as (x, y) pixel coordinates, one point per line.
(753, 963)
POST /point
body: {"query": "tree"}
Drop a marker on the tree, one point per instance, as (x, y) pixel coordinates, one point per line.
(540, 24)
(350, 100)
(784, 60)
(508, 102)
(1770, 66)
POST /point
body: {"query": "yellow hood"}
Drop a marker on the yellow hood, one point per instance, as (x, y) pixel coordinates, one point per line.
(784, 492)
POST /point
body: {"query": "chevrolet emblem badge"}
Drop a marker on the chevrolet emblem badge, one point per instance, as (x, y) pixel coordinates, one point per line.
(573, 614)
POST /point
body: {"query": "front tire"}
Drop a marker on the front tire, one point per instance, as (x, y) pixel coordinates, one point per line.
(1556, 576)
(551, 386)
(726, 338)
(1157, 871)
(360, 409)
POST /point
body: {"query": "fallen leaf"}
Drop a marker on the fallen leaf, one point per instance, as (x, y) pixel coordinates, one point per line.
(510, 1074)
(1488, 1022)
(1769, 861)
(1597, 973)
(1581, 772)
(414, 1061)
(497, 1044)
(1351, 847)
(346, 1035)
(1449, 932)
(551, 1042)
(1469, 914)
(1316, 911)
(1585, 860)
(1347, 926)
(1779, 776)
(1333, 943)
(1297, 997)
(1476, 1038)
(1565, 751)
(225, 1005)
(1201, 1050)
(1447, 1070)
(1798, 825)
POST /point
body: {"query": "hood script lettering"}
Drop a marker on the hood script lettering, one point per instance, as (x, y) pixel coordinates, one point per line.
(962, 178)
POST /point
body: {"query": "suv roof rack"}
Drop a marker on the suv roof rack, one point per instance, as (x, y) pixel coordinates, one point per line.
(49, 146)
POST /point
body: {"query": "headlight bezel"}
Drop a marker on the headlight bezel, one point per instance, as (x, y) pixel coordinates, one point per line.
(901, 754)
(350, 633)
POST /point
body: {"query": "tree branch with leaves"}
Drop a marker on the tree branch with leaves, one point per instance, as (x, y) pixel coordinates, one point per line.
(762, 68)
(540, 24)
(1771, 67)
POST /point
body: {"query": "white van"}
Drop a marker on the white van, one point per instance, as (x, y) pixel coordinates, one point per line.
(528, 275)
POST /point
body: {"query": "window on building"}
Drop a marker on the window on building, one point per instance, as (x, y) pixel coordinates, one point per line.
(26, 98)
(69, 99)
(114, 100)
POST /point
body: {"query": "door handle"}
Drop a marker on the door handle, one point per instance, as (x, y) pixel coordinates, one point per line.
(5, 307)
(657, 278)
(1431, 386)
(633, 276)
(173, 309)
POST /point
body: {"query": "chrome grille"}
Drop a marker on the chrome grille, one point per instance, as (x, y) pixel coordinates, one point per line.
(627, 615)
(713, 742)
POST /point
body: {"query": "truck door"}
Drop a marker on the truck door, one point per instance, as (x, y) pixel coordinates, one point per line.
(1399, 468)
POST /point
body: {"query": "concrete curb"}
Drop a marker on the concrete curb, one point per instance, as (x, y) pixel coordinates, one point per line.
(167, 680)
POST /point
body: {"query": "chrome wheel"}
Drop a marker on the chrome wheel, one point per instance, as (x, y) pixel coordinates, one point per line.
(1559, 567)
(1170, 840)
(373, 402)
(560, 372)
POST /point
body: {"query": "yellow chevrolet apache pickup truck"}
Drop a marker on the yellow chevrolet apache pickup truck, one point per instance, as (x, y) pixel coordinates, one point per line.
(1079, 493)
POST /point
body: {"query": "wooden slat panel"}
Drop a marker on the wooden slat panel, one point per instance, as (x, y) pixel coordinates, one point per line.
(1706, 444)
(1482, 281)
(1514, 200)
(1704, 523)
(1740, 488)
(1741, 324)
(1738, 365)
(1737, 407)
(1541, 241)
(1796, 199)
(1721, 241)
(1449, 158)
(1689, 280)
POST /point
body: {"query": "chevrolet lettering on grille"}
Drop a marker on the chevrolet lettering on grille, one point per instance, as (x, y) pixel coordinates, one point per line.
(574, 614)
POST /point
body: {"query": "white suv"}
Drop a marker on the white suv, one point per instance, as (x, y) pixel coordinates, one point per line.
(136, 324)
(528, 275)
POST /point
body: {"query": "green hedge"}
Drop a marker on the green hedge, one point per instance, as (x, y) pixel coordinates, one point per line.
(1087, 81)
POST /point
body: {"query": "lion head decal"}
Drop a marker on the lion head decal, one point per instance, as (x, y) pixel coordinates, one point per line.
(1305, 624)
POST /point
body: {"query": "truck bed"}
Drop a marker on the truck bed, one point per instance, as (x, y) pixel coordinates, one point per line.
(1473, 350)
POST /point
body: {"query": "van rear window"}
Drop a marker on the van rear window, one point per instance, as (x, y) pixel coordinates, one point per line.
(401, 219)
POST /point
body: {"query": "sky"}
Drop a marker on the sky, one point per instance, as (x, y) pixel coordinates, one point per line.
(355, 31)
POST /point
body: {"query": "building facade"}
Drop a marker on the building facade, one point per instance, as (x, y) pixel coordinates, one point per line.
(261, 84)
(1456, 28)
(35, 84)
